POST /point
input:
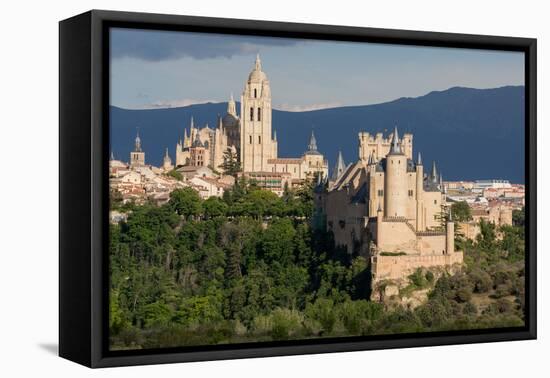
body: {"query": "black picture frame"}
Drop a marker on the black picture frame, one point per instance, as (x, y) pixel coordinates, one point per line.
(83, 181)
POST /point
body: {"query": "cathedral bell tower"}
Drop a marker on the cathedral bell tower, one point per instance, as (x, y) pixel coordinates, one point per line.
(137, 156)
(257, 144)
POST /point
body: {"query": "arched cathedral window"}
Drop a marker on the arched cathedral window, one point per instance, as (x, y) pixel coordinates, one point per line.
(255, 93)
(259, 114)
(252, 114)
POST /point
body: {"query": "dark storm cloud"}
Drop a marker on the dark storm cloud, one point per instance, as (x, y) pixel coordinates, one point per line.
(161, 45)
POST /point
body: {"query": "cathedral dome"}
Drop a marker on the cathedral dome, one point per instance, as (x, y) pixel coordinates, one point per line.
(229, 120)
(257, 75)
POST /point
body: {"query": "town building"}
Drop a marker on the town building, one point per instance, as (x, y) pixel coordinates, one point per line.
(481, 185)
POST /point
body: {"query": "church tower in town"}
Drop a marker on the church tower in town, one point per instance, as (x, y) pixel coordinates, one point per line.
(257, 143)
(137, 156)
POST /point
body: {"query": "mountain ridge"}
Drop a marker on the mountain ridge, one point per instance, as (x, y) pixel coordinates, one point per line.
(472, 133)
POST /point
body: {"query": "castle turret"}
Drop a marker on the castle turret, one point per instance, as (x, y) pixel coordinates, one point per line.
(433, 174)
(339, 167)
(373, 195)
(419, 194)
(450, 239)
(379, 221)
(395, 185)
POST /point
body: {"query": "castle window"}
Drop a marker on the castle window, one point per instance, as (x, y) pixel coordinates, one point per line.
(259, 139)
(380, 193)
(411, 193)
(255, 93)
(250, 139)
(252, 114)
(435, 202)
(259, 114)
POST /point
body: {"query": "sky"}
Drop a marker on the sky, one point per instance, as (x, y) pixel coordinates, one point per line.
(160, 69)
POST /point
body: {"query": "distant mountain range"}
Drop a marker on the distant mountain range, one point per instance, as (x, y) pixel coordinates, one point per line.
(471, 133)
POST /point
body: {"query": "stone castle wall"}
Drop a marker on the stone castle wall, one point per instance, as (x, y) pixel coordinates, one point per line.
(398, 267)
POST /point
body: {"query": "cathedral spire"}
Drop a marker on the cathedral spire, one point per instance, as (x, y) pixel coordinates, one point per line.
(395, 145)
(274, 135)
(312, 146)
(231, 107)
(112, 155)
(419, 160)
(192, 123)
(258, 63)
(137, 146)
(220, 124)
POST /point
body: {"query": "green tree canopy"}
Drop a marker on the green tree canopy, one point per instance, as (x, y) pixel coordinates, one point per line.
(186, 202)
(461, 211)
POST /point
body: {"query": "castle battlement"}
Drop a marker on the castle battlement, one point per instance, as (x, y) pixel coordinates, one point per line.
(378, 146)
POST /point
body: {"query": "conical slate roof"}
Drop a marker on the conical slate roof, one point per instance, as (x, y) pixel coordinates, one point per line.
(312, 146)
(395, 144)
(339, 168)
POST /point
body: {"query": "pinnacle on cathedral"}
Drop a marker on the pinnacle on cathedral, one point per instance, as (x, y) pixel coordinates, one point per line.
(312, 146)
(197, 142)
(312, 142)
(339, 167)
(231, 106)
(258, 63)
(419, 160)
(137, 146)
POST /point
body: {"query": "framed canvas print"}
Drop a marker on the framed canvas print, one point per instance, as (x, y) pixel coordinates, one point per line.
(234, 188)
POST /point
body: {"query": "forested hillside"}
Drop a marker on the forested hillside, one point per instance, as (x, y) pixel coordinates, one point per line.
(248, 267)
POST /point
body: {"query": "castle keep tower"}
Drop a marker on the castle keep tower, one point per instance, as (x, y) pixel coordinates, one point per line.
(257, 144)
(395, 198)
